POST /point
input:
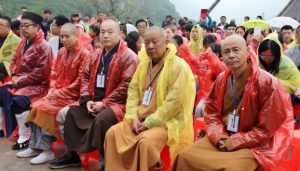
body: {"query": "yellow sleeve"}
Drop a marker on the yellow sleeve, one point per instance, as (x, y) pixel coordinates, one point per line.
(292, 83)
(133, 97)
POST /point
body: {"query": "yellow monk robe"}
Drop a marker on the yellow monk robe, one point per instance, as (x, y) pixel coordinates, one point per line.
(168, 117)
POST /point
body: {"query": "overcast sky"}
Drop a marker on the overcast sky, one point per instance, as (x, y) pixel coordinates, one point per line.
(231, 8)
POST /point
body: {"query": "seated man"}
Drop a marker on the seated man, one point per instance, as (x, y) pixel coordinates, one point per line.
(30, 70)
(65, 84)
(159, 109)
(248, 116)
(8, 45)
(103, 102)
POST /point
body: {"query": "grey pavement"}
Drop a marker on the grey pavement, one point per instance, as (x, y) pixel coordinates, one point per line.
(9, 162)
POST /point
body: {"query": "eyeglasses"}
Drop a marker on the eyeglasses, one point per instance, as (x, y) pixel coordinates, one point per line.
(26, 25)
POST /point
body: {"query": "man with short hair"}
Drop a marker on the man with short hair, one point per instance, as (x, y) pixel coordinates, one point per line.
(247, 127)
(102, 103)
(259, 17)
(286, 36)
(294, 52)
(65, 84)
(23, 10)
(54, 41)
(229, 29)
(223, 22)
(75, 18)
(30, 71)
(8, 45)
(159, 109)
(142, 26)
(47, 20)
(246, 18)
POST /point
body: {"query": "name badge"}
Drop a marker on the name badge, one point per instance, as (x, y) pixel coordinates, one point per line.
(233, 122)
(100, 81)
(147, 97)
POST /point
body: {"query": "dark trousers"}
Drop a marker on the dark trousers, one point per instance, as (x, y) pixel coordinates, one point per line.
(88, 136)
(12, 105)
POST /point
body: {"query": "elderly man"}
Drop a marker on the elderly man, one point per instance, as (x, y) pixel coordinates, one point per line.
(247, 127)
(65, 84)
(30, 70)
(159, 109)
(103, 102)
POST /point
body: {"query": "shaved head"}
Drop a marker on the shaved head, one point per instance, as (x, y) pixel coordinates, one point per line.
(114, 24)
(110, 34)
(69, 35)
(234, 52)
(236, 39)
(70, 28)
(156, 30)
(155, 43)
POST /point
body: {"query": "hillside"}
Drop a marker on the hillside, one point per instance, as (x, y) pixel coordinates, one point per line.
(156, 9)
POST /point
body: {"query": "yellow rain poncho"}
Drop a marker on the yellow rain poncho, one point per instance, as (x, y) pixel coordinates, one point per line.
(8, 49)
(196, 45)
(288, 72)
(176, 90)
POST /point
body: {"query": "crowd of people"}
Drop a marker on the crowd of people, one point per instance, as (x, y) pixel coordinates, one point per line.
(130, 89)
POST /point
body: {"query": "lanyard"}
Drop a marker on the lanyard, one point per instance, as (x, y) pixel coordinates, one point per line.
(105, 59)
(236, 99)
(155, 76)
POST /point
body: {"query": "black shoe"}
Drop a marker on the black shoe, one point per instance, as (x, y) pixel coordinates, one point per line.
(20, 146)
(68, 160)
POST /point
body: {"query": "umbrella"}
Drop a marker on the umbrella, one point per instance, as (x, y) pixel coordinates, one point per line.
(279, 22)
(130, 28)
(256, 23)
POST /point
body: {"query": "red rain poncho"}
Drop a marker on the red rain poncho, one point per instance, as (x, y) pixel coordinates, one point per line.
(185, 53)
(31, 69)
(210, 68)
(266, 118)
(65, 87)
(120, 72)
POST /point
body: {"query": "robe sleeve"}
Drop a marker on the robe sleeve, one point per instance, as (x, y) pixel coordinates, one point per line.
(215, 126)
(85, 74)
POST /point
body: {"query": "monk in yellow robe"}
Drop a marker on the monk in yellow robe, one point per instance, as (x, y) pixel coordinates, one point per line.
(159, 109)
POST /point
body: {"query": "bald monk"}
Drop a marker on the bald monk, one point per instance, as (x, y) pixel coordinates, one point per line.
(159, 109)
(65, 85)
(102, 103)
(247, 127)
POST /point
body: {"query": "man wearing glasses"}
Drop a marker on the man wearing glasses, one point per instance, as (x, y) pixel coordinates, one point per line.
(30, 70)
